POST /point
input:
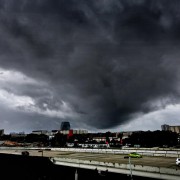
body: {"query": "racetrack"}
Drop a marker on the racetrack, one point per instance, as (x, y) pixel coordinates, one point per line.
(168, 162)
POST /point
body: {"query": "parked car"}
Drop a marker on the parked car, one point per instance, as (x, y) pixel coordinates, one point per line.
(178, 161)
(135, 155)
(25, 153)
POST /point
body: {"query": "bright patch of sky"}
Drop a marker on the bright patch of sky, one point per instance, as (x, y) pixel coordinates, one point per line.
(27, 103)
(15, 77)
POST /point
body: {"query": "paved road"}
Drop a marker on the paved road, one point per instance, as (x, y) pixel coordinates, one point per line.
(167, 162)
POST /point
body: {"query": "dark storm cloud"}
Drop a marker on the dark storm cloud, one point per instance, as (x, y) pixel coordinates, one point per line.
(109, 59)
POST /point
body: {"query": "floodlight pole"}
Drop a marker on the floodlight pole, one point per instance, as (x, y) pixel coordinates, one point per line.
(130, 168)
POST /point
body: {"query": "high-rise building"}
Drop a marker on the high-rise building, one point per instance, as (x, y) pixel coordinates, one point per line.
(165, 127)
(175, 129)
(1, 132)
(65, 126)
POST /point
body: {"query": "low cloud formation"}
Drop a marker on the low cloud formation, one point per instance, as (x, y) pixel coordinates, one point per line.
(96, 63)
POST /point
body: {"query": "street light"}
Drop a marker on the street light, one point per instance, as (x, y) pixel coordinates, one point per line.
(76, 175)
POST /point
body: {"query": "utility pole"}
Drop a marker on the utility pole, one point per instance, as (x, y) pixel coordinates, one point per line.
(130, 168)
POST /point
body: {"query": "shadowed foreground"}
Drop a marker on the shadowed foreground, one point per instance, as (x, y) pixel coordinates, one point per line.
(40, 168)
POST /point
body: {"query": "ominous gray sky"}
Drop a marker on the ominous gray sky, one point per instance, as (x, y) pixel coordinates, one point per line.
(100, 64)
